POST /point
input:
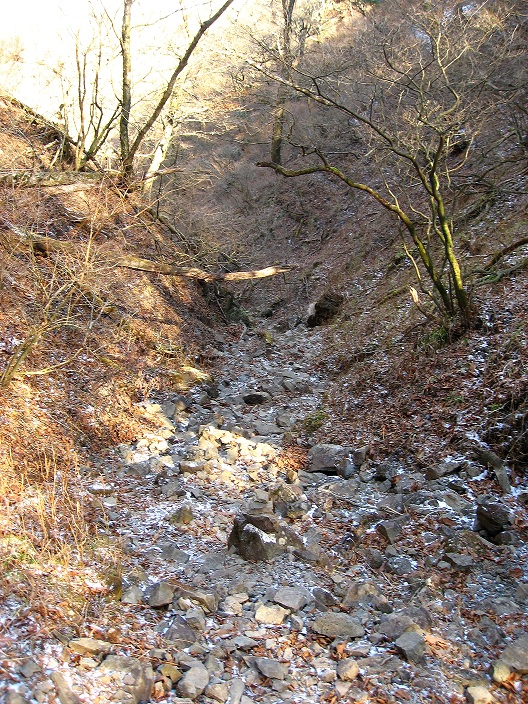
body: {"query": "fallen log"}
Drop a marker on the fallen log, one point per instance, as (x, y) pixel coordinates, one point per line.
(131, 262)
(29, 178)
(46, 245)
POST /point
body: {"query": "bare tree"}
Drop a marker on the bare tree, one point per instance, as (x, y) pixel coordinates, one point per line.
(92, 108)
(88, 110)
(126, 100)
(414, 89)
(129, 151)
(299, 20)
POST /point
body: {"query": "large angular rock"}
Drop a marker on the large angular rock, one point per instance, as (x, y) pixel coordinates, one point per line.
(294, 598)
(399, 565)
(522, 592)
(515, 656)
(392, 529)
(420, 616)
(479, 695)
(132, 595)
(257, 537)
(160, 594)
(456, 502)
(271, 668)
(289, 501)
(263, 427)
(13, 697)
(459, 561)
(270, 615)
(236, 690)
(139, 676)
(208, 600)
(90, 646)
(412, 645)
(254, 398)
(337, 624)
(347, 489)
(176, 630)
(348, 669)
(64, 692)
(219, 691)
(327, 458)
(182, 516)
(193, 683)
(443, 468)
(494, 516)
(364, 592)
(253, 543)
(395, 625)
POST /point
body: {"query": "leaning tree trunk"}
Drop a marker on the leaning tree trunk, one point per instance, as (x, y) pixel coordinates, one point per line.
(160, 153)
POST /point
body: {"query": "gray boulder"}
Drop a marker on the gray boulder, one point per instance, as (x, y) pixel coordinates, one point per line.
(391, 529)
(271, 668)
(294, 598)
(412, 645)
(337, 624)
(176, 630)
(514, 658)
(13, 697)
(399, 565)
(139, 673)
(257, 537)
(194, 682)
(160, 594)
(254, 398)
(329, 459)
(494, 517)
(443, 468)
(64, 692)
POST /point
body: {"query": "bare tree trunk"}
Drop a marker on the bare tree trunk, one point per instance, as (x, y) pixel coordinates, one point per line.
(285, 71)
(278, 125)
(126, 100)
(167, 93)
(160, 154)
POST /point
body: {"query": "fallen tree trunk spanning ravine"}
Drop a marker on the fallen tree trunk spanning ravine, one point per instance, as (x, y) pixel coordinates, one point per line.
(46, 245)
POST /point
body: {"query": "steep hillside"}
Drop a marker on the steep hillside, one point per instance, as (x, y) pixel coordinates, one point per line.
(83, 341)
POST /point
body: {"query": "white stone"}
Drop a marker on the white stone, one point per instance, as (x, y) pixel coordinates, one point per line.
(273, 615)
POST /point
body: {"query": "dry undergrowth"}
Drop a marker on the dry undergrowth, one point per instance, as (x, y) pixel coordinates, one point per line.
(45, 541)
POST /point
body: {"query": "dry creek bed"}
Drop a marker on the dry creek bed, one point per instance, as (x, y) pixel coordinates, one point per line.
(378, 587)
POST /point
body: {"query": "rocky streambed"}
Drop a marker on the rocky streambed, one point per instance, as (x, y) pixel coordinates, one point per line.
(250, 567)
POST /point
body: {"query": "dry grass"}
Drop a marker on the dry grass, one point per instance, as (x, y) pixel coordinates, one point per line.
(43, 519)
(56, 564)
